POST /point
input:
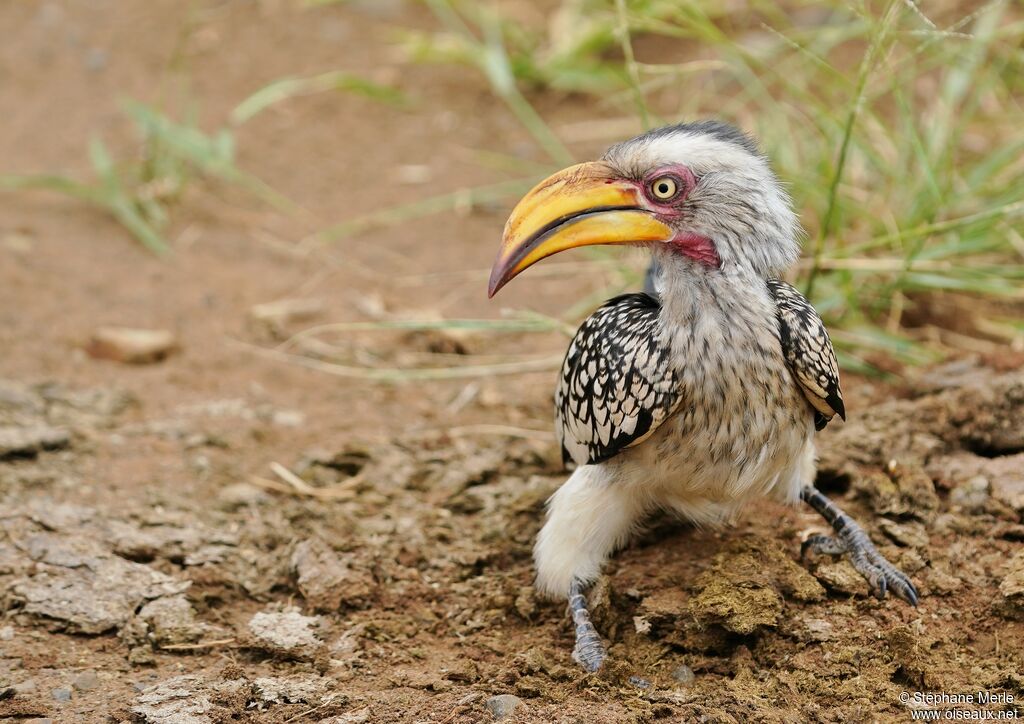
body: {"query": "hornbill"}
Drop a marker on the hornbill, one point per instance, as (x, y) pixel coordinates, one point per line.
(695, 396)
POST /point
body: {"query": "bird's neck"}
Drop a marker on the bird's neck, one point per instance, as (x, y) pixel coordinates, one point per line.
(714, 306)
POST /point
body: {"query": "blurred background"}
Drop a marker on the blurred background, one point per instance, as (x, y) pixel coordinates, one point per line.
(354, 161)
(269, 223)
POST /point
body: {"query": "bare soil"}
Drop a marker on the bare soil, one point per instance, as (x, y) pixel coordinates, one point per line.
(154, 568)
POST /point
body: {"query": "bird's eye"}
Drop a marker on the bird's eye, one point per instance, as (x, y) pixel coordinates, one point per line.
(664, 188)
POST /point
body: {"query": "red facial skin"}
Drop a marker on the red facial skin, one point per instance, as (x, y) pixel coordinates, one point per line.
(689, 244)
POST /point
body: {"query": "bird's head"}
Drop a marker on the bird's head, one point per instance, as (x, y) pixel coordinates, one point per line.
(700, 192)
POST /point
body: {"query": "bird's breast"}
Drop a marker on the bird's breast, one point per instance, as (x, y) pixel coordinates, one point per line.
(741, 421)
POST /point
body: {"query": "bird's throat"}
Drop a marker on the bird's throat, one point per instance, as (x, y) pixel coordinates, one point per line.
(697, 247)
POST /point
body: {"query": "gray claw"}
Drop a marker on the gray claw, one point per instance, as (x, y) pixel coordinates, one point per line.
(881, 575)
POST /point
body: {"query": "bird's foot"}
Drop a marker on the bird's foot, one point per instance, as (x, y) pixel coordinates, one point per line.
(589, 651)
(851, 540)
(881, 575)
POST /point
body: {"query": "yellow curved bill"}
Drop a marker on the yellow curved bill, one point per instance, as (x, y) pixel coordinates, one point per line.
(582, 205)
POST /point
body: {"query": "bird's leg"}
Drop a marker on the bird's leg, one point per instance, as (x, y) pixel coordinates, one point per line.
(851, 540)
(589, 651)
(590, 516)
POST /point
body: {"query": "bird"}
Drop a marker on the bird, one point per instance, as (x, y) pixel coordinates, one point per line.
(699, 394)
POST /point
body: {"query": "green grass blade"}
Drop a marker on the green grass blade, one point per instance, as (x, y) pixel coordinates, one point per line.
(287, 88)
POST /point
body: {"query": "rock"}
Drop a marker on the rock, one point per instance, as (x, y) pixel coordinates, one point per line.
(58, 517)
(1012, 589)
(662, 609)
(86, 681)
(973, 477)
(817, 629)
(131, 346)
(903, 491)
(347, 646)
(171, 620)
(180, 700)
(61, 694)
(84, 408)
(957, 373)
(241, 495)
(288, 418)
(684, 675)
(6, 633)
(1006, 475)
(325, 579)
(287, 633)
(940, 581)
(413, 174)
(841, 576)
(255, 570)
(12, 562)
(361, 716)
(170, 538)
(987, 415)
(502, 705)
(19, 397)
(917, 497)
(982, 416)
(26, 687)
(463, 670)
(295, 689)
(32, 440)
(910, 534)
(141, 656)
(971, 495)
(84, 587)
(276, 316)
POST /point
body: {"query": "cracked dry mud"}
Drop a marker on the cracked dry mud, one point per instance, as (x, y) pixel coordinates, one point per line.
(411, 599)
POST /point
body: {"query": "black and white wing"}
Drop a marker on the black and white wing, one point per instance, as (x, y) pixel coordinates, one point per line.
(617, 385)
(809, 353)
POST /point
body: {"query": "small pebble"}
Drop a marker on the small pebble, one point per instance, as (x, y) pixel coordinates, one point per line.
(971, 495)
(61, 694)
(241, 495)
(131, 346)
(639, 682)
(684, 675)
(818, 629)
(85, 681)
(414, 174)
(25, 687)
(503, 705)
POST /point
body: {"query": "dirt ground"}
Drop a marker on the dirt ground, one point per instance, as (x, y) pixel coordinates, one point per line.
(154, 567)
